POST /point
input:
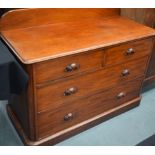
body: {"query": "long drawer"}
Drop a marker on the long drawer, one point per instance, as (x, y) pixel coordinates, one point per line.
(58, 93)
(68, 65)
(128, 51)
(75, 112)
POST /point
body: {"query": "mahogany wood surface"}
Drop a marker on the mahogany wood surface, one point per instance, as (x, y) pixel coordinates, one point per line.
(114, 55)
(40, 43)
(84, 66)
(87, 61)
(120, 53)
(53, 139)
(53, 121)
(23, 18)
(52, 96)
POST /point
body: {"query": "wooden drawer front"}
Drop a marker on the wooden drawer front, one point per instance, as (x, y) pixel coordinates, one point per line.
(81, 110)
(52, 96)
(69, 65)
(128, 51)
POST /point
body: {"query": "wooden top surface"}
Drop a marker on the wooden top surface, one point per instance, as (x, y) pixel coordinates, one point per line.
(44, 42)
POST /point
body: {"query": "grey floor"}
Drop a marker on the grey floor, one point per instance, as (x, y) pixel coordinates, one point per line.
(129, 128)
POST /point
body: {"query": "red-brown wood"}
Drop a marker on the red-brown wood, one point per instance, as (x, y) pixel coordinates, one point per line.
(23, 18)
(45, 72)
(144, 16)
(40, 43)
(92, 48)
(53, 121)
(119, 54)
(53, 139)
(52, 96)
(23, 105)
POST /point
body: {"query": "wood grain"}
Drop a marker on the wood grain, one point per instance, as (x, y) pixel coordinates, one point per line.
(51, 41)
(107, 82)
(53, 139)
(52, 122)
(119, 54)
(23, 18)
(55, 69)
(52, 96)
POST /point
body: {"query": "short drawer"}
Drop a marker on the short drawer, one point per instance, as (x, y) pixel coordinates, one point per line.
(68, 65)
(128, 51)
(81, 110)
(67, 90)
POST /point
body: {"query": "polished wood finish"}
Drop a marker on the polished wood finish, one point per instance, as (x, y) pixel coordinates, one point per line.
(23, 18)
(53, 139)
(52, 96)
(23, 105)
(91, 106)
(40, 43)
(84, 61)
(114, 55)
(121, 53)
(81, 70)
(4, 10)
(147, 17)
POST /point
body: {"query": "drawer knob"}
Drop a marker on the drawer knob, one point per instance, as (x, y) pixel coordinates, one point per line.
(70, 91)
(68, 117)
(130, 51)
(125, 72)
(121, 95)
(72, 67)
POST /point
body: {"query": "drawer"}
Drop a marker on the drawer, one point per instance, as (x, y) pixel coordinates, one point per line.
(67, 90)
(128, 51)
(81, 110)
(69, 65)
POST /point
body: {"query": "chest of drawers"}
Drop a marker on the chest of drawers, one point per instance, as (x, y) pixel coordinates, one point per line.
(81, 72)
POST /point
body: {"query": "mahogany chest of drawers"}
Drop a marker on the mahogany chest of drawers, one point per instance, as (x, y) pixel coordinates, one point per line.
(84, 67)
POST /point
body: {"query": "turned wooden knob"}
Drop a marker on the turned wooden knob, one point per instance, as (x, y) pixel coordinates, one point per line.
(68, 117)
(130, 51)
(125, 72)
(72, 67)
(70, 91)
(121, 95)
